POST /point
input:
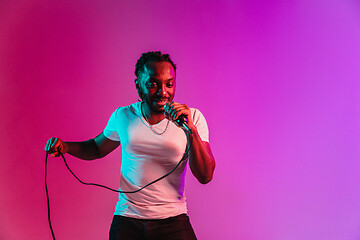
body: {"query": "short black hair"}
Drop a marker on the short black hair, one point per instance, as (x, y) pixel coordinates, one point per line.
(152, 57)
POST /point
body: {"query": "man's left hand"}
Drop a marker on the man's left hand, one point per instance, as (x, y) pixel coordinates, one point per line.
(173, 110)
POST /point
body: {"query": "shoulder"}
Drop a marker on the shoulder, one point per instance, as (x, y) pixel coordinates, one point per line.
(200, 123)
(125, 110)
(196, 113)
(197, 117)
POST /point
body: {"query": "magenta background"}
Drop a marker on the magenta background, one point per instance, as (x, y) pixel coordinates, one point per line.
(278, 82)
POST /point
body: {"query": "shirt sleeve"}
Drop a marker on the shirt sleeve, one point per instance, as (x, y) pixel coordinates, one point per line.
(201, 125)
(111, 128)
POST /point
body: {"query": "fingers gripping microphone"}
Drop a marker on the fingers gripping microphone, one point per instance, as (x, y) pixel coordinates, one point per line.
(181, 121)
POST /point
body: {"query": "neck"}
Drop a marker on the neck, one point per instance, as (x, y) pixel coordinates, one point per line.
(151, 116)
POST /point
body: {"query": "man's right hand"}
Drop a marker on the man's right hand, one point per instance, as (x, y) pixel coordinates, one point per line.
(54, 146)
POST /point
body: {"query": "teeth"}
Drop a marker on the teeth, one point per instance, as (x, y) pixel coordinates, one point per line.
(161, 102)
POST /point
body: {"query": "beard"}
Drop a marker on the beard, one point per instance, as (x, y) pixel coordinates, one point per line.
(155, 104)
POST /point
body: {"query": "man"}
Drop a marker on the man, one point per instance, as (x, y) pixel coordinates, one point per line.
(152, 145)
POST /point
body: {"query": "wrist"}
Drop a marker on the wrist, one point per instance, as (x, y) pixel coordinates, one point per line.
(192, 127)
(67, 147)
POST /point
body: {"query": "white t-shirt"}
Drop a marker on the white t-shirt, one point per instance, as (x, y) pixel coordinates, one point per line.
(146, 157)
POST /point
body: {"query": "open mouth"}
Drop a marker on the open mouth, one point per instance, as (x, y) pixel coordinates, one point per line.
(161, 102)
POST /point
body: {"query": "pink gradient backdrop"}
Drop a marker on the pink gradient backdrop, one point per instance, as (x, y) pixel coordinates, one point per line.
(278, 82)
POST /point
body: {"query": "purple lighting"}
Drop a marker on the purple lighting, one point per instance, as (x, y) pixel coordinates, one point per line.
(278, 83)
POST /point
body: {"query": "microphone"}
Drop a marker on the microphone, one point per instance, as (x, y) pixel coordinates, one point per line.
(181, 121)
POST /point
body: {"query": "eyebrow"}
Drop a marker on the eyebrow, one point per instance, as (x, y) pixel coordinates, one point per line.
(170, 79)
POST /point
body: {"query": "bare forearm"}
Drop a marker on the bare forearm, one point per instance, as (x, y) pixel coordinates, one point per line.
(86, 150)
(201, 160)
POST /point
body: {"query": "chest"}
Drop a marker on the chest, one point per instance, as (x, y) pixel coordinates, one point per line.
(140, 142)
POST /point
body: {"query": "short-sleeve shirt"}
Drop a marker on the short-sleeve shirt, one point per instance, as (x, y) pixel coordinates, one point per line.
(146, 156)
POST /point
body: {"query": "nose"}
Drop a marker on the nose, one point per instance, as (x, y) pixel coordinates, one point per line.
(162, 90)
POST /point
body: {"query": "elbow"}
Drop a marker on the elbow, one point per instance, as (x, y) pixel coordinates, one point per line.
(204, 175)
(93, 156)
(99, 155)
(205, 180)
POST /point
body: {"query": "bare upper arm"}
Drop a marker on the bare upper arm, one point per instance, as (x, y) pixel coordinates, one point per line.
(105, 145)
(208, 149)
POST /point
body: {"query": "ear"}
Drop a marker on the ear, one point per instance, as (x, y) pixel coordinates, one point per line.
(138, 88)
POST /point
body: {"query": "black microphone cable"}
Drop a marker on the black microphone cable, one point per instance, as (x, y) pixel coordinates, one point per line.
(189, 138)
(47, 198)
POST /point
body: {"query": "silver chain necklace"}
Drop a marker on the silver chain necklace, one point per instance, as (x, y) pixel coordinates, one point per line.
(153, 130)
